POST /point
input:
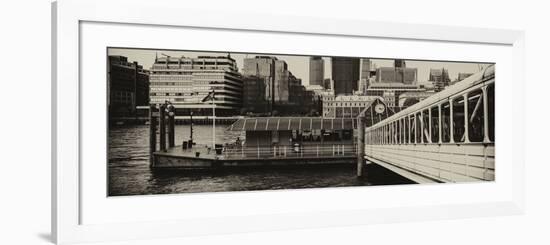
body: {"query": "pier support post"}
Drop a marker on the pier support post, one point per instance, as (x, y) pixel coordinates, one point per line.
(191, 129)
(171, 126)
(162, 125)
(360, 145)
(152, 135)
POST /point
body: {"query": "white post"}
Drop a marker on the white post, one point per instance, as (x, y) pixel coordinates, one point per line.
(317, 150)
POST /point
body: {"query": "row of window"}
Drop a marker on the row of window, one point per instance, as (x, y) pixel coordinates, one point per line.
(467, 118)
(346, 104)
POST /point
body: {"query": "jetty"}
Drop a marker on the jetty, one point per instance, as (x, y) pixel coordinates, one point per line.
(269, 141)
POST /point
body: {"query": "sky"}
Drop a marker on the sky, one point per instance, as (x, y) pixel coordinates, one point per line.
(299, 65)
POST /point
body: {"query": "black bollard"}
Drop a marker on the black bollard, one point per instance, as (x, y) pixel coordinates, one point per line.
(162, 125)
(360, 145)
(152, 135)
(171, 126)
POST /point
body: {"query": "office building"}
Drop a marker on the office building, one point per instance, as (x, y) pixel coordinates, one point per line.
(347, 106)
(390, 92)
(254, 97)
(345, 74)
(275, 75)
(403, 75)
(127, 86)
(316, 70)
(282, 76)
(185, 82)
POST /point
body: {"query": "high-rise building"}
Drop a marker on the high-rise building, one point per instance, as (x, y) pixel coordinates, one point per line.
(185, 82)
(254, 98)
(345, 74)
(281, 87)
(316, 70)
(403, 75)
(262, 67)
(276, 76)
(127, 86)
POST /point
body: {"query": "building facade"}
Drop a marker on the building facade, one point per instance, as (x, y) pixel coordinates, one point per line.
(127, 86)
(281, 82)
(316, 70)
(346, 106)
(185, 82)
(254, 97)
(390, 92)
(345, 74)
(275, 75)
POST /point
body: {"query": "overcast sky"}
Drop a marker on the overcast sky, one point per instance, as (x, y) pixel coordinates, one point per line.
(299, 65)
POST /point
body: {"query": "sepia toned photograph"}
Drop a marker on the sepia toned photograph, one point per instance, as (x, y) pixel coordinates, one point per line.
(190, 121)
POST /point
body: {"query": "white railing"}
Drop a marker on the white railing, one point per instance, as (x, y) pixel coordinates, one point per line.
(288, 151)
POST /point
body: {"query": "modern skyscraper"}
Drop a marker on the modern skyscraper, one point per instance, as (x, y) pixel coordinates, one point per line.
(275, 73)
(345, 74)
(281, 82)
(262, 67)
(316, 70)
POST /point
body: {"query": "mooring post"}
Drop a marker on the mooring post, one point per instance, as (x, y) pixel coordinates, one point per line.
(171, 125)
(361, 145)
(162, 125)
(191, 129)
(152, 135)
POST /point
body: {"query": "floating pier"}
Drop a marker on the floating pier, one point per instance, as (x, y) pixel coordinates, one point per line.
(272, 144)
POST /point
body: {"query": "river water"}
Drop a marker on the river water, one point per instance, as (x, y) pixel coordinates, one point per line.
(129, 172)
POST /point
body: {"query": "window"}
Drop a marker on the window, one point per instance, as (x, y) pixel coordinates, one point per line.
(458, 119)
(445, 123)
(475, 116)
(435, 125)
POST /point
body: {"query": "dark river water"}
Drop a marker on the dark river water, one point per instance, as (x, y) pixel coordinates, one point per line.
(129, 172)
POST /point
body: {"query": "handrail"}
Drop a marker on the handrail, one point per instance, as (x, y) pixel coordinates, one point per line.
(288, 151)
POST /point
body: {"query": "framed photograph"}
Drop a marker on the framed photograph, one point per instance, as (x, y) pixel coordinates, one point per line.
(171, 125)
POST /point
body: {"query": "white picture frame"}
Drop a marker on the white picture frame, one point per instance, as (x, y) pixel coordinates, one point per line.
(68, 195)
